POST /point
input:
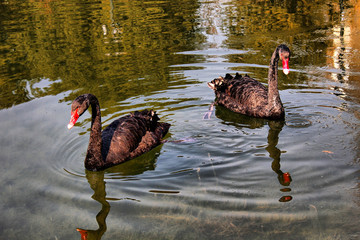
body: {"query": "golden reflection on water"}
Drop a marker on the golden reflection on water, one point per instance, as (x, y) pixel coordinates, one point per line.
(343, 54)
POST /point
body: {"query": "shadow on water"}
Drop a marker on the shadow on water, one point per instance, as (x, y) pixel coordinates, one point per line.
(130, 169)
(275, 127)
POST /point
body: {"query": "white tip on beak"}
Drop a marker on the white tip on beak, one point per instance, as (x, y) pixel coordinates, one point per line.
(286, 71)
(69, 126)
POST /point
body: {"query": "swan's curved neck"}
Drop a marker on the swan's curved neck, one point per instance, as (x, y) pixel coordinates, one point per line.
(273, 92)
(93, 160)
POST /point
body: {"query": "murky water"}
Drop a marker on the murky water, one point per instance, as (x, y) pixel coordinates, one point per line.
(221, 178)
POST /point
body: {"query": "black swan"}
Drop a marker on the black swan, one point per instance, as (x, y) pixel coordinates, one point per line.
(247, 96)
(124, 139)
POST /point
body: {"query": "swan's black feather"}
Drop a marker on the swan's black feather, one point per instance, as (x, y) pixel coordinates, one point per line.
(245, 95)
(124, 139)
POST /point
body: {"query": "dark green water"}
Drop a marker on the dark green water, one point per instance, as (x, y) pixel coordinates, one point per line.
(224, 181)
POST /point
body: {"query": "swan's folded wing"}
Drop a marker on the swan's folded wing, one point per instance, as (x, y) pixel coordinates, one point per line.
(151, 139)
(245, 89)
(131, 136)
(122, 137)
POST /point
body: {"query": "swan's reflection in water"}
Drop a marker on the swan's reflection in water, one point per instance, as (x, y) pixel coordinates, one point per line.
(96, 180)
(97, 183)
(275, 127)
(275, 153)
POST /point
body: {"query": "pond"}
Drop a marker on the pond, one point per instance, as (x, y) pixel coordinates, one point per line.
(220, 178)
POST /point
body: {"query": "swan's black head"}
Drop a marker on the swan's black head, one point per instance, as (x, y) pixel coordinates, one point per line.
(284, 55)
(78, 107)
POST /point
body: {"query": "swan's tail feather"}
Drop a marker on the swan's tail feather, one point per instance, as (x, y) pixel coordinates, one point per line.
(216, 83)
(160, 128)
(238, 76)
(228, 76)
(147, 114)
(220, 82)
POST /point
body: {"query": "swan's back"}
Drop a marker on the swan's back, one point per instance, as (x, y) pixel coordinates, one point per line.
(241, 94)
(132, 135)
(246, 90)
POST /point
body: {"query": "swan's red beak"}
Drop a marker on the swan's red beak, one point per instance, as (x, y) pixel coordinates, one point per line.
(74, 118)
(285, 63)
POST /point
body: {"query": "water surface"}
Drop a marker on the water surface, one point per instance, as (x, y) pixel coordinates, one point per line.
(213, 179)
